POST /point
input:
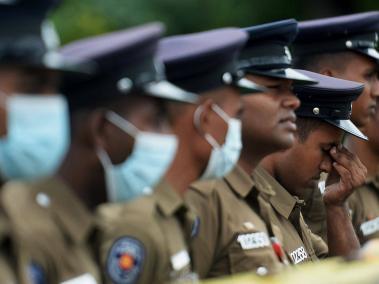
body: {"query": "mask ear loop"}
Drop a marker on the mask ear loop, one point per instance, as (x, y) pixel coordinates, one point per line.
(221, 113)
(107, 163)
(207, 136)
(122, 123)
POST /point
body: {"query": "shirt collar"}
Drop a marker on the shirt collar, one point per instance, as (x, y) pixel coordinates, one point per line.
(72, 215)
(168, 200)
(281, 200)
(240, 182)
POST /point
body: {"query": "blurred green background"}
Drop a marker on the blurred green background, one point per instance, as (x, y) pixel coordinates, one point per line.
(79, 18)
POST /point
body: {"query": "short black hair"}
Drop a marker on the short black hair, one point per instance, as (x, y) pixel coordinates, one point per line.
(316, 62)
(305, 125)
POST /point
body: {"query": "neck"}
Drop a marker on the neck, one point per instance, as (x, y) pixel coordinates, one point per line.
(251, 157)
(269, 165)
(184, 170)
(366, 154)
(84, 176)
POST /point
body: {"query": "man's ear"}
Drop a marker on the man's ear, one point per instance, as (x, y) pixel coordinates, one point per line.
(203, 116)
(97, 129)
(328, 72)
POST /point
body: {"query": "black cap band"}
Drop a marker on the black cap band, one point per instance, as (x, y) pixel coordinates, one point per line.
(332, 111)
(357, 43)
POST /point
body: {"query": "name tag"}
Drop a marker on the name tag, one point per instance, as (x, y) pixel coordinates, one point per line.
(299, 255)
(83, 279)
(253, 240)
(180, 260)
(370, 227)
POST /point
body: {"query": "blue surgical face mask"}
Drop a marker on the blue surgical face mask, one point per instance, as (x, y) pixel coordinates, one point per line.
(151, 157)
(37, 136)
(223, 158)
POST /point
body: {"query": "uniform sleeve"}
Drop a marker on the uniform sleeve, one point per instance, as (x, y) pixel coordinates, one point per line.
(356, 211)
(315, 215)
(203, 245)
(127, 254)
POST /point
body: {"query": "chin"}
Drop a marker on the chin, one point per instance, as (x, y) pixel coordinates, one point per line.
(286, 142)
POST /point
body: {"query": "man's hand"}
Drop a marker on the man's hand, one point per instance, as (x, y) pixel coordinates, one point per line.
(348, 173)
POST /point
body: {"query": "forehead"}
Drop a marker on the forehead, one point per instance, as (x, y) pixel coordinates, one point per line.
(325, 133)
(360, 61)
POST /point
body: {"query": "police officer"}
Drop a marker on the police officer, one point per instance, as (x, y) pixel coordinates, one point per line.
(364, 202)
(115, 113)
(146, 240)
(342, 47)
(232, 236)
(323, 118)
(33, 118)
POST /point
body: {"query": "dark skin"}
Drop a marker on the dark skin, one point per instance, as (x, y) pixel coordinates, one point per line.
(321, 152)
(358, 68)
(81, 169)
(276, 109)
(194, 151)
(368, 151)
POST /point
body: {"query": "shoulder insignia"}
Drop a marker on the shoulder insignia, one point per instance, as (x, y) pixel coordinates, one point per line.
(125, 260)
(36, 274)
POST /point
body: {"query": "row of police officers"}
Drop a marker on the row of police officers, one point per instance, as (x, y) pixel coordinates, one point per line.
(132, 158)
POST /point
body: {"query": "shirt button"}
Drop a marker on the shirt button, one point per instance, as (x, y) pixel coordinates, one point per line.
(43, 199)
(262, 271)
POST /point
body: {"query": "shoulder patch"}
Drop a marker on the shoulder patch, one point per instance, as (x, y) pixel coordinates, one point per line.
(125, 260)
(36, 274)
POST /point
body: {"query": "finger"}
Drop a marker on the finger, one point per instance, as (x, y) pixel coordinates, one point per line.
(352, 156)
(354, 177)
(358, 169)
(345, 175)
(342, 158)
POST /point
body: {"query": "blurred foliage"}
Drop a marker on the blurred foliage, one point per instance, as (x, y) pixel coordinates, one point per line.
(79, 18)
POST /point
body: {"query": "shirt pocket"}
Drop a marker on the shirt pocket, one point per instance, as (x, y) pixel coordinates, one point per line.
(252, 251)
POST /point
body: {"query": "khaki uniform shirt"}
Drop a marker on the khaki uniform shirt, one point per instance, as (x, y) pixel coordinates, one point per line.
(7, 263)
(232, 237)
(364, 205)
(54, 226)
(315, 215)
(282, 213)
(145, 240)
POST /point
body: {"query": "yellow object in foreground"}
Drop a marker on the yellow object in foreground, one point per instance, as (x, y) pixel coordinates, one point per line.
(334, 271)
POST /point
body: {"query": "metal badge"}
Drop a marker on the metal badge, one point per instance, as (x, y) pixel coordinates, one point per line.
(349, 44)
